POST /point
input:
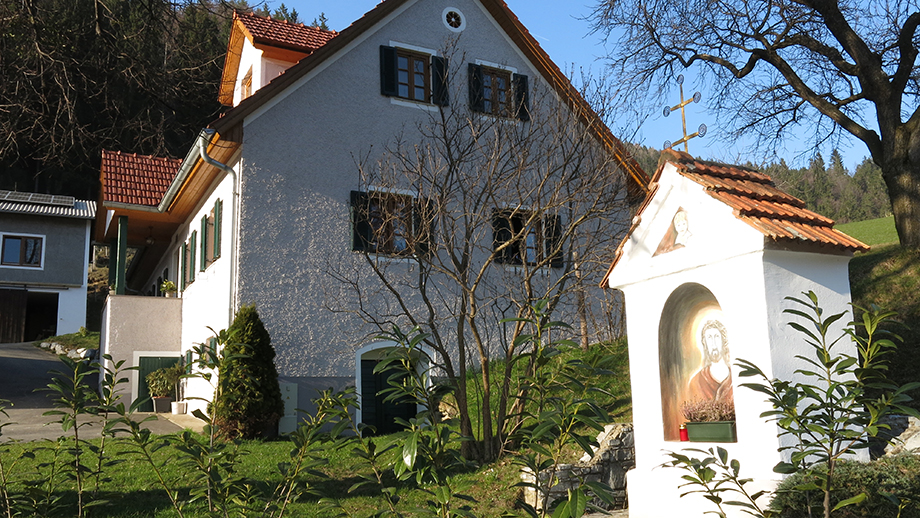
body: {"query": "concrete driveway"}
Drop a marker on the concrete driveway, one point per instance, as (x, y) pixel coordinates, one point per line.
(25, 368)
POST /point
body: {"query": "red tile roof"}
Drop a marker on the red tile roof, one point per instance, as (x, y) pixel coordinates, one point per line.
(755, 200)
(284, 34)
(760, 204)
(136, 179)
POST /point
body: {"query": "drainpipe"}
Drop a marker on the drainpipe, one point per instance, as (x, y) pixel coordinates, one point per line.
(204, 138)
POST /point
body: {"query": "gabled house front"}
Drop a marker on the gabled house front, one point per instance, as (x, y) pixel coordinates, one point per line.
(269, 197)
(44, 258)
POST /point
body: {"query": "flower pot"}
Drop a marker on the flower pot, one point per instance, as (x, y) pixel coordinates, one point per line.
(179, 407)
(161, 404)
(714, 431)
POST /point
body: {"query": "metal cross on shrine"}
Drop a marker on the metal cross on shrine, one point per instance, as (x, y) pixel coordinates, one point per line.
(668, 109)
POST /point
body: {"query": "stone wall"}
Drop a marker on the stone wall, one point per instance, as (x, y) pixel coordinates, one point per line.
(614, 456)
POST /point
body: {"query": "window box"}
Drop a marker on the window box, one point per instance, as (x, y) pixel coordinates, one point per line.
(712, 431)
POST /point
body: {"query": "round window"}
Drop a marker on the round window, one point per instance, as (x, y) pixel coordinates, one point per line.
(453, 19)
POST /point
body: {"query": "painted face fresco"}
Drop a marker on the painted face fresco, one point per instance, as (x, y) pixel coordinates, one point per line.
(693, 358)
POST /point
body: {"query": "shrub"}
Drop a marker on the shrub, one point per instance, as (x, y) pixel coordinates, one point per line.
(164, 382)
(896, 476)
(248, 403)
(708, 410)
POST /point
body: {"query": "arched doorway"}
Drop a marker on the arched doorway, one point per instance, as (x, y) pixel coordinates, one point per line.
(375, 409)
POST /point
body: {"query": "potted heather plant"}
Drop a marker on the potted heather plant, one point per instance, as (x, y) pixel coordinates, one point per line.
(710, 420)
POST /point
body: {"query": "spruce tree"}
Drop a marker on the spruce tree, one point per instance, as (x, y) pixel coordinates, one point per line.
(248, 404)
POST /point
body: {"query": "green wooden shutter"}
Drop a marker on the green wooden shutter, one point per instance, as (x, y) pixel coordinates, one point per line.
(188, 361)
(439, 90)
(204, 242)
(193, 242)
(388, 71)
(422, 216)
(362, 233)
(521, 97)
(475, 88)
(553, 231)
(502, 233)
(218, 215)
(184, 267)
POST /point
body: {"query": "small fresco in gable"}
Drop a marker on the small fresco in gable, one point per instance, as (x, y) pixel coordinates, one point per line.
(678, 233)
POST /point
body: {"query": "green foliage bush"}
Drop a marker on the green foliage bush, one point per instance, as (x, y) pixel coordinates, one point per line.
(249, 403)
(164, 382)
(896, 476)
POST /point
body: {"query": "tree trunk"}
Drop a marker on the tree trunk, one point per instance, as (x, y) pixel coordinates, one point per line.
(901, 170)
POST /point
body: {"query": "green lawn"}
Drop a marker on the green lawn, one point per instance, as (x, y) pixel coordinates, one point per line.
(134, 491)
(872, 232)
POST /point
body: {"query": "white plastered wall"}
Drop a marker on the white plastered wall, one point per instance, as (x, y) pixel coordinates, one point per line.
(728, 257)
(207, 302)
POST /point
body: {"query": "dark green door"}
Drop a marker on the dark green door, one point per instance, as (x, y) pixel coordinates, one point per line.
(146, 365)
(374, 410)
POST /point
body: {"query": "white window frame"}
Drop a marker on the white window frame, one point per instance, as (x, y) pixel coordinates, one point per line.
(41, 265)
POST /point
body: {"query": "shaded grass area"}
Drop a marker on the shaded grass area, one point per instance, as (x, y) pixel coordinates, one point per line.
(889, 276)
(133, 490)
(871, 232)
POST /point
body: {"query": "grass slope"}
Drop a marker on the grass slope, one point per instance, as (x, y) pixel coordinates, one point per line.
(872, 232)
(889, 276)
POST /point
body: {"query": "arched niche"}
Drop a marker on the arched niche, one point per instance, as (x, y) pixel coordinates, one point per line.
(693, 353)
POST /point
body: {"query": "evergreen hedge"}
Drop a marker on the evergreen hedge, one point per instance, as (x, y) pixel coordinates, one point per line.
(248, 403)
(896, 475)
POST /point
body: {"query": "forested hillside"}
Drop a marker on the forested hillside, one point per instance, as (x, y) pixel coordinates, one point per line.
(77, 76)
(829, 189)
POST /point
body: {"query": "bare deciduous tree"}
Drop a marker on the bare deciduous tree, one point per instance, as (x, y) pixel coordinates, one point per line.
(471, 218)
(823, 64)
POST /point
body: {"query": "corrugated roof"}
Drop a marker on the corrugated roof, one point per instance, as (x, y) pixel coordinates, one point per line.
(81, 209)
(136, 179)
(282, 33)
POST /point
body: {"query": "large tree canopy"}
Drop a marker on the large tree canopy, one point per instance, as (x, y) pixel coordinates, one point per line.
(77, 76)
(824, 64)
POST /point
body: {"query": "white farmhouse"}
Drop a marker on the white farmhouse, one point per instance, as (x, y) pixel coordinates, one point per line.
(269, 199)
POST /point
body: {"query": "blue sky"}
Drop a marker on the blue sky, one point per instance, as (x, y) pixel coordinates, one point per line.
(559, 28)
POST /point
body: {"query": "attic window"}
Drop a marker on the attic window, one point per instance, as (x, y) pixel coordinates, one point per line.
(453, 19)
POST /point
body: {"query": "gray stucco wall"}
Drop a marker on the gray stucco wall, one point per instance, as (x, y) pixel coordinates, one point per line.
(64, 243)
(299, 166)
(145, 325)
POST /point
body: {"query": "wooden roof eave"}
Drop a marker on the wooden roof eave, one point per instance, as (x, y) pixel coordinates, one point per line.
(184, 195)
(232, 62)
